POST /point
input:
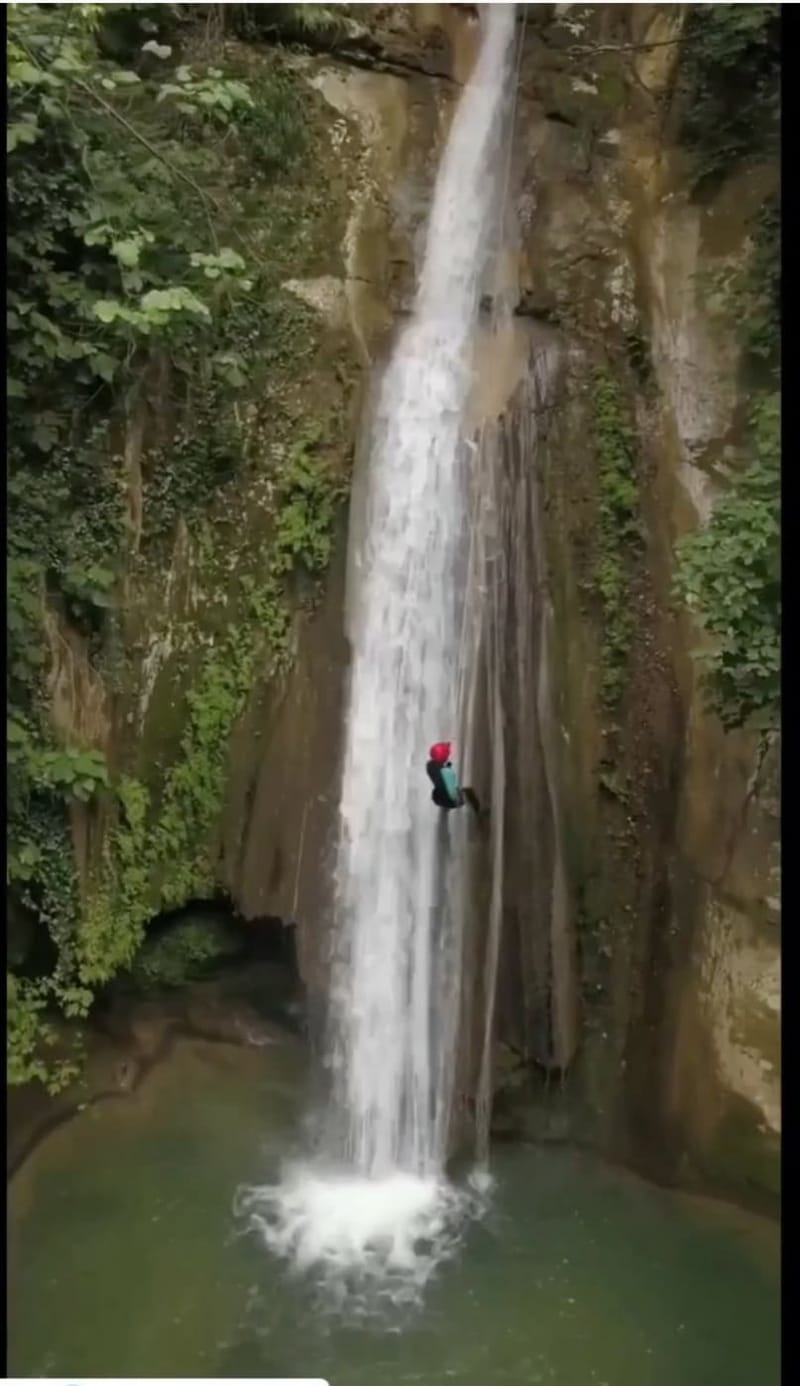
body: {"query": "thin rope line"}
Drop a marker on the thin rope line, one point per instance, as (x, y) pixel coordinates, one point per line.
(478, 489)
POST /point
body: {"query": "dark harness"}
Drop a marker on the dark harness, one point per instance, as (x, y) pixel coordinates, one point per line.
(440, 795)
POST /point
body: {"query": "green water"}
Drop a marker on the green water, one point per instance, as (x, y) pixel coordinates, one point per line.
(124, 1260)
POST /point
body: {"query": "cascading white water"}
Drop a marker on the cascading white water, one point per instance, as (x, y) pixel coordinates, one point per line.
(395, 985)
(405, 637)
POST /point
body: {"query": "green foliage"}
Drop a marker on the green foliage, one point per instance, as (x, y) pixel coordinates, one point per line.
(755, 299)
(307, 495)
(41, 869)
(320, 25)
(43, 781)
(89, 587)
(194, 787)
(68, 771)
(204, 453)
(130, 183)
(107, 256)
(273, 131)
(24, 610)
(762, 313)
(320, 20)
(729, 83)
(182, 953)
(748, 293)
(72, 772)
(64, 541)
(728, 573)
(29, 1036)
(25, 1031)
(111, 927)
(618, 528)
(98, 262)
(209, 97)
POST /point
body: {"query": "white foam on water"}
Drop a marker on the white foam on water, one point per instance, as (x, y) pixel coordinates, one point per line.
(368, 1243)
(386, 1213)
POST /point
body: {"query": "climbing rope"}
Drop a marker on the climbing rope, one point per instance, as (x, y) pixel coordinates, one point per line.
(482, 497)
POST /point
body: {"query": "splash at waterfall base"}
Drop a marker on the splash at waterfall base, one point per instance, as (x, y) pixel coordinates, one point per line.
(368, 1243)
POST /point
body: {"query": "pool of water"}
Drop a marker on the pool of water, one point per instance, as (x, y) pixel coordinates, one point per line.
(125, 1259)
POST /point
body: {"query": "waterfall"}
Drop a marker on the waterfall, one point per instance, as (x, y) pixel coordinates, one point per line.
(391, 1081)
(381, 1202)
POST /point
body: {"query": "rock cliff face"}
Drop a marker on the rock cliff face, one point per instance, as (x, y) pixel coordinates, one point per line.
(671, 825)
(657, 987)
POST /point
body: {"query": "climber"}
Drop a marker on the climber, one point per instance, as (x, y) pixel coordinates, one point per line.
(447, 792)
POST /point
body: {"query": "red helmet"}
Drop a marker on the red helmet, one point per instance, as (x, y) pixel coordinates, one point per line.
(440, 752)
